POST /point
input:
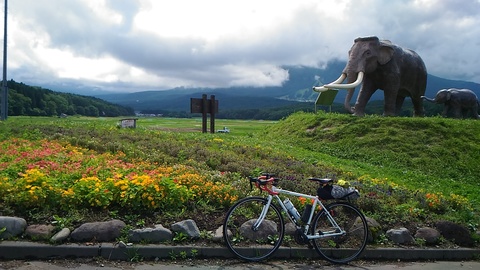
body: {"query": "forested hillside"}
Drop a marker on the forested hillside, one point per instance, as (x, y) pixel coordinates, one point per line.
(36, 101)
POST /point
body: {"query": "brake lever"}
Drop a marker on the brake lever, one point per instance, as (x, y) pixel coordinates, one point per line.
(252, 180)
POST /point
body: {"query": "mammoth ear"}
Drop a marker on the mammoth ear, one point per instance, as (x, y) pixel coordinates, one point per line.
(449, 94)
(385, 53)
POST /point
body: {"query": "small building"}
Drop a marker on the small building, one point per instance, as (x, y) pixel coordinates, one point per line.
(128, 123)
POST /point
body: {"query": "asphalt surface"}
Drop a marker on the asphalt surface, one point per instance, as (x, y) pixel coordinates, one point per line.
(236, 265)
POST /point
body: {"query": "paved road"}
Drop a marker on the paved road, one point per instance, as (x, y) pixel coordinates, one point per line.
(233, 265)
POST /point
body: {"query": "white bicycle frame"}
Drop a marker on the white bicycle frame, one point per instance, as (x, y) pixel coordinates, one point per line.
(336, 232)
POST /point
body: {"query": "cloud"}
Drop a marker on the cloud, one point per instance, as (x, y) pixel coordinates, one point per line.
(137, 45)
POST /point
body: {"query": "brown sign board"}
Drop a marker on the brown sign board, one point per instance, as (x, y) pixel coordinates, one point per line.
(196, 105)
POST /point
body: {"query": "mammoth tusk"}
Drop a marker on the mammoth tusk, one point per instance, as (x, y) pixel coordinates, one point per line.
(320, 89)
(337, 83)
(347, 85)
(340, 79)
(324, 88)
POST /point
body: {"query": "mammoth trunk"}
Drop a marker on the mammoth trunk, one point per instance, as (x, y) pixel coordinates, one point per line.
(351, 77)
(348, 97)
(429, 99)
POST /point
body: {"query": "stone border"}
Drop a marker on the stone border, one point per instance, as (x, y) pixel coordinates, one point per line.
(21, 250)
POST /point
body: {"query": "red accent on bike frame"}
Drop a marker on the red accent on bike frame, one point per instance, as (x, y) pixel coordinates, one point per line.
(266, 186)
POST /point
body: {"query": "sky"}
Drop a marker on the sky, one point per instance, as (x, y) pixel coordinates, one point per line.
(140, 45)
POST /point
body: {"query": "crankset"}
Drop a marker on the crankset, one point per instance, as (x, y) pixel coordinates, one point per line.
(300, 237)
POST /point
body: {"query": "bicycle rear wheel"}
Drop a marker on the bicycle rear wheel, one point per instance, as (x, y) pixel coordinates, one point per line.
(246, 242)
(343, 248)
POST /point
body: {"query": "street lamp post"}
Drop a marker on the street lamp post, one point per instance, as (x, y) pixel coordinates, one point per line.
(4, 95)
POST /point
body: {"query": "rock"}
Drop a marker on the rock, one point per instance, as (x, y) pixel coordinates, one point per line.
(400, 236)
(13, 226)
(455, 232)
(218, 234)
(290, 229)
(106, 231)
(60, 236)
(188, 227)
(266, 229)
(40, 231)
(150, 235)
(430, 235)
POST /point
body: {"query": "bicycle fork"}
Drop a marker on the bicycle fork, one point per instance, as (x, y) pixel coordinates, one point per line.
(263, 214)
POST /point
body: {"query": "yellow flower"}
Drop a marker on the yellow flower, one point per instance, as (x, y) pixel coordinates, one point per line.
(343, 183)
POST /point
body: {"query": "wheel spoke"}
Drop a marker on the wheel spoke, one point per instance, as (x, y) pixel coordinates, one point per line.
(346, 247)
(243, 239)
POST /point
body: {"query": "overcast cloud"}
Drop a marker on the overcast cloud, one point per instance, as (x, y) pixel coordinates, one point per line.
(137, 45)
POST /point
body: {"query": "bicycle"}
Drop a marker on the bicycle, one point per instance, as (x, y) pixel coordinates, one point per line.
(254, 227)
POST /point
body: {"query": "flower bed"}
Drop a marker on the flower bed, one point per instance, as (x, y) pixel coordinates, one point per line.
(49, 174)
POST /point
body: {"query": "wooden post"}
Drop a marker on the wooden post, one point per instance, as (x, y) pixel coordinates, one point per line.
(212, 114)
(204, 113)
(204, 106)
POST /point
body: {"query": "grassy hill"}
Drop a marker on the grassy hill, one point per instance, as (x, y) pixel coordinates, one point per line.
(432, 152)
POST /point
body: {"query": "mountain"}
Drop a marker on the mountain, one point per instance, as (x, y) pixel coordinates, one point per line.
(297, 89)
(37, 101)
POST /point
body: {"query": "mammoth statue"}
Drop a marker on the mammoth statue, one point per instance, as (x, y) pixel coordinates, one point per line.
(379, 64)
(462, 102)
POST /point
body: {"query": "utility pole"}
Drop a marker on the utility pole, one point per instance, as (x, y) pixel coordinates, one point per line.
(4, 95)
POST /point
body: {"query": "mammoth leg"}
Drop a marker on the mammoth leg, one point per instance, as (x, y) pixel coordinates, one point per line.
(418, 106)
(391, 100)
(399, 104)
(364, 95)
(475, 112)
(457, 112)
(446, 108)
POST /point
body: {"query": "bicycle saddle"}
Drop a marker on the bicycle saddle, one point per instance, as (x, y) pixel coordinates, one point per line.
(321, 180)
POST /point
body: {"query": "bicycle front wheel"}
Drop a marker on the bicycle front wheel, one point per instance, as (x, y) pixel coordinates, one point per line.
(250, 242)
(342, 248)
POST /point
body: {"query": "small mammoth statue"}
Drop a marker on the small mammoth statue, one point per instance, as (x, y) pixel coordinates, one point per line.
(461, 102)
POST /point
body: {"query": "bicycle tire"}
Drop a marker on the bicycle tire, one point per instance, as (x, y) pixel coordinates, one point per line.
(345, 248)
(246, 243)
